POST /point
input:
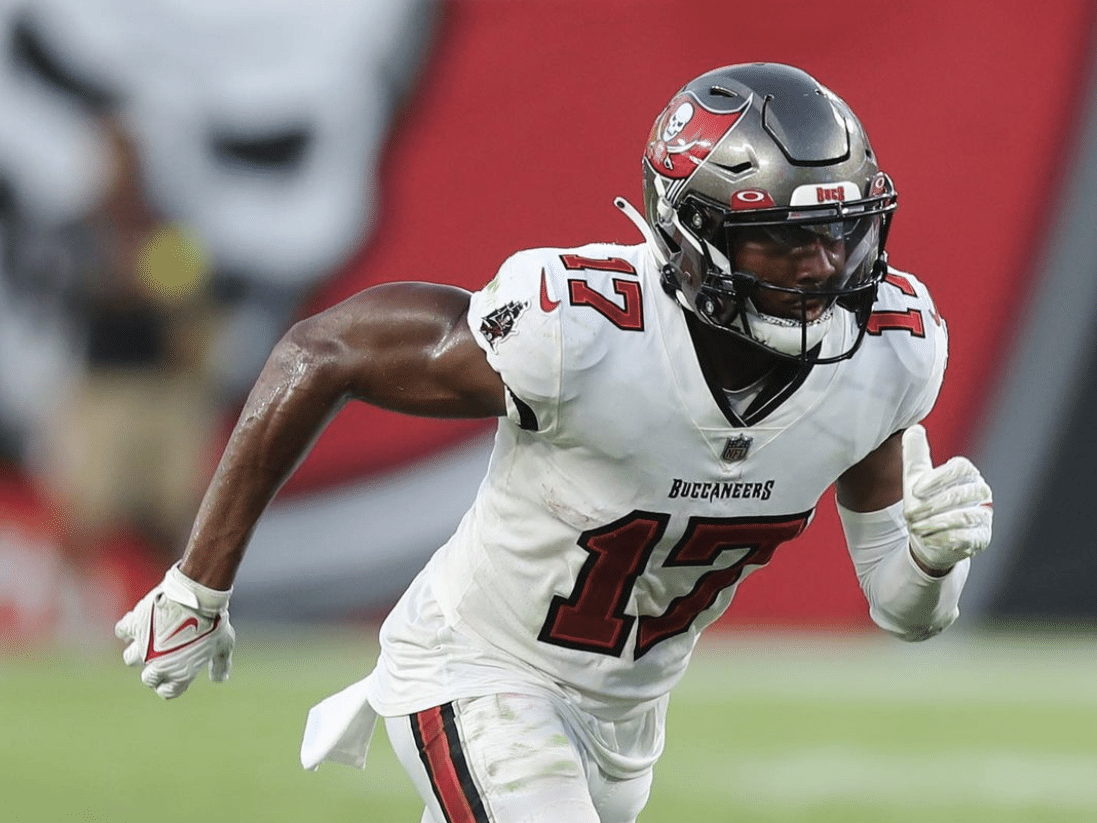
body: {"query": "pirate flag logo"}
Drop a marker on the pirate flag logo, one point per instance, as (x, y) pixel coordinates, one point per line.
(685, 134)
(500, 323)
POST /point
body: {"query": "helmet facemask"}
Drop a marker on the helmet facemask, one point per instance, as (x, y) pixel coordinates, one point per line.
(704, 242)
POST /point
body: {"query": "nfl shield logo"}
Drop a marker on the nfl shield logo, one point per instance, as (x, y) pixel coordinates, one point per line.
(737, 448)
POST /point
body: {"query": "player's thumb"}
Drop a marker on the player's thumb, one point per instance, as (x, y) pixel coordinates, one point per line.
(123, 629)
(916, 460)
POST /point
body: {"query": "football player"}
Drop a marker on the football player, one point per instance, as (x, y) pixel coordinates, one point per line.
(669, 414)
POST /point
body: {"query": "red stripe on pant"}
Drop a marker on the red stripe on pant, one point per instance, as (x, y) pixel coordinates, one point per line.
(435, 733)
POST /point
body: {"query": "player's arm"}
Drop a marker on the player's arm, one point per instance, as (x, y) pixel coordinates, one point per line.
(876, 483)
(910, 528)
(405, 347)
(402, 346)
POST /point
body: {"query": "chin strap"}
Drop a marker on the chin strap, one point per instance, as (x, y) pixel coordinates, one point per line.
(668, 279)
(641, 224)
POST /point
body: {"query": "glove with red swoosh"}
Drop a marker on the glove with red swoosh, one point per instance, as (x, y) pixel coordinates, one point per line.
(176, 630)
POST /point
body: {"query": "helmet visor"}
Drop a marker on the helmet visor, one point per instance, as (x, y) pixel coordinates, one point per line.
(852, 244)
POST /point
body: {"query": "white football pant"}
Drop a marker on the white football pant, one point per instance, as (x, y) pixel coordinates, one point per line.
(508, 758)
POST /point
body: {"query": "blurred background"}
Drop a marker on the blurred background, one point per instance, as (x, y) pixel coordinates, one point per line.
(179, 181)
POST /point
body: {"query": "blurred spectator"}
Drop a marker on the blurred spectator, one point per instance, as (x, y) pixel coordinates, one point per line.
(127, 446)
(134, 310)
(260, 123)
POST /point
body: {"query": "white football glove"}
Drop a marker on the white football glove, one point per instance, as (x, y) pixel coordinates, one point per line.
(176, 630)
(947, 508)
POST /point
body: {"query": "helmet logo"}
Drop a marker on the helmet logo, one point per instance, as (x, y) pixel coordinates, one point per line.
(684, 135)
(815, 193)
(751, 199)
(678, 121)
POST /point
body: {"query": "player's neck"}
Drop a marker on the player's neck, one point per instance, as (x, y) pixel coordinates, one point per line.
(728, 361)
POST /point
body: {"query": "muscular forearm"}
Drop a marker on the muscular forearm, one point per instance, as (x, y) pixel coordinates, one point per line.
(289, 406)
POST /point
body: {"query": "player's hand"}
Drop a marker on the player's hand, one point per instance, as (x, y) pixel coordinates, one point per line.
(947, 507)
(175, 631)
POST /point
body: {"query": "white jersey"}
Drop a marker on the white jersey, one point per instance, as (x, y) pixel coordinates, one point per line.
(624, 503)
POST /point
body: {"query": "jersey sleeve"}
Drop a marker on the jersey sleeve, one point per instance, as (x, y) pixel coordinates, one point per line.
(515, 320)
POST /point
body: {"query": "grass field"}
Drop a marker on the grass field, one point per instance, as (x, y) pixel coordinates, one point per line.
(789, 729)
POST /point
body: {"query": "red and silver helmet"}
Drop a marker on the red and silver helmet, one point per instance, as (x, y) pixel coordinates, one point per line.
(763, 149)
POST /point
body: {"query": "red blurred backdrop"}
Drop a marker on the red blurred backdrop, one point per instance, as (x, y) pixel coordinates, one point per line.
(531, 116)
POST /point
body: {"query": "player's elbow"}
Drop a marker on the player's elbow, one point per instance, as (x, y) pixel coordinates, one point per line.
(913, 630)
(307, 356)
(917, 634)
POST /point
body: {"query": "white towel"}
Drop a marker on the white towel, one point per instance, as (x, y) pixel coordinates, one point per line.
(339, 728)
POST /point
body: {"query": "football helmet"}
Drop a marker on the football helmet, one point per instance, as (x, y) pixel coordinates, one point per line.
(763, 153)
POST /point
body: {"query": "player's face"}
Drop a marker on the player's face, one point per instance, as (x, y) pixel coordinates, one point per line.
(806, 258)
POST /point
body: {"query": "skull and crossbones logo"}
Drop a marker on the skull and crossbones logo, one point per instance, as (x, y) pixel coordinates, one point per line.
(672, 143)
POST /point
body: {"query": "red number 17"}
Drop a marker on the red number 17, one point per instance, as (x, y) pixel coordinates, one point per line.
(629, 315)
(592, 618)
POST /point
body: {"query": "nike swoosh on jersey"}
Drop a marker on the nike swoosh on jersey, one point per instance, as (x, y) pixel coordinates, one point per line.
(151, 653)
(546, 304)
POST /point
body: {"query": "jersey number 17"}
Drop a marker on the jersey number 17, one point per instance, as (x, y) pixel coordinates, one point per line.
(593, 618)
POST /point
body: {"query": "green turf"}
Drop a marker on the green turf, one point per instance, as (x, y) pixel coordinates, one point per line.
(788, 730)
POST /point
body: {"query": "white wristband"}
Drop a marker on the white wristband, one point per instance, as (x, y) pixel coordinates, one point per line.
(202, 599)
(902, 598)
